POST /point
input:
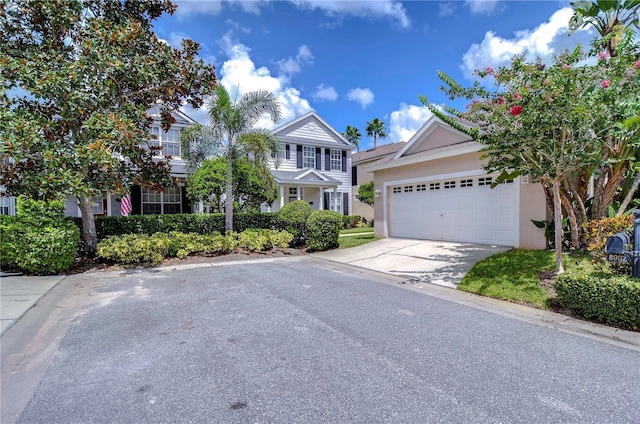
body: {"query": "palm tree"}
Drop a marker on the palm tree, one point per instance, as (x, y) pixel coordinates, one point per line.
(606, 17)
(376, 129)
(353, 136)
(230, 132)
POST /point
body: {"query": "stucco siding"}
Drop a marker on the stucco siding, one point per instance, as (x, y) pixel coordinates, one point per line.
(532, 206)
(440, 137)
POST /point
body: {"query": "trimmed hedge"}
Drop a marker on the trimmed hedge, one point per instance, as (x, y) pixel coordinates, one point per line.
(186, 223)
(142, 248)
(39, 240)
(608, 299)
(323, 230)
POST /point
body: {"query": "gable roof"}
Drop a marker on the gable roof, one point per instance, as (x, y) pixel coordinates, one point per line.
(311, 128)
(178, 115)
(304, 177)
(378, 152)
(434, 140)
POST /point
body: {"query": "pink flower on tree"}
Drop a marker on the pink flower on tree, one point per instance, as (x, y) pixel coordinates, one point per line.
(515, 110)
(637, 65)
(605, 83)
(566, 66)
(500, 100)
(490, 70)
(603, 55)
(517, 96)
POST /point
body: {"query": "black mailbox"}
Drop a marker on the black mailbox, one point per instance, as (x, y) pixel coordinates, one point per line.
(617, 244)
(616, 248)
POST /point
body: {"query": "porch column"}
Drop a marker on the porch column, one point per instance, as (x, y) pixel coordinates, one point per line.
(321, 202)
(335, 199)
(299, 191)
(281, 196)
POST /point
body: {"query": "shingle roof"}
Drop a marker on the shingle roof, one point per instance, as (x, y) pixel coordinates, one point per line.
(378, 152)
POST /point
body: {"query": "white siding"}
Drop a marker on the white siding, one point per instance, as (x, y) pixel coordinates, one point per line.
(311, 131)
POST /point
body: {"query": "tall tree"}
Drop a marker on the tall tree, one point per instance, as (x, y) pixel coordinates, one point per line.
(231, 133)
(77, 79)
(353, 136)
(376, 129)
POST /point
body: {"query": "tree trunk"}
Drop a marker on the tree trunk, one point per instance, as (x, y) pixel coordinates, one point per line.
(573, 221)
(629, 196)
(228, 201)
(89, 234)
(557, 219)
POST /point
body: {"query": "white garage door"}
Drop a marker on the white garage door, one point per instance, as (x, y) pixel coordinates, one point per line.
(461, 209)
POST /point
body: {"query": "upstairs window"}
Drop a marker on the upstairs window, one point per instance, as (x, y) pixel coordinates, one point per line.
(308, 157)
(169, 141)
(336, 160)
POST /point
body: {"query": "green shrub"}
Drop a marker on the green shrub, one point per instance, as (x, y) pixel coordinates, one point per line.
(257, 240)
(184, 223)
(142, 248)
(294, 217)
(350, 221)
(608, 299)
(39, 239)
(323, 230)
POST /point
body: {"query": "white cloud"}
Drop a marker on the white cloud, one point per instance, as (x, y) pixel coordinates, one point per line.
(406, 121)
(325, 93)
(547, 39)
(187, 8)
(364, 9)
(364, 96)
(236, 25)
(447, 9)
(483, 7)
(293, 65)
(334, 8)
(239, 75)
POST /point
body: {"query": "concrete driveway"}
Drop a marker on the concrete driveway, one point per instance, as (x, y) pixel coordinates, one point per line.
(437, 262)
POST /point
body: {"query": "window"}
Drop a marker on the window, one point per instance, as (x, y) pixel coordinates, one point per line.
(169, 141)
(157, 202)
(336, 204)
(434, 186)
(484, 181)
(97, 205)
(466, 183)
(421, 187)
(397, 189)
(308, 157)
(336, 160)
(449, 184)
(293, 191)
(408, 189)
(7, 205)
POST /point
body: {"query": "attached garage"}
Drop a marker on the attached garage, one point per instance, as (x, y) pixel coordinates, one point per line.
(455, 209)
(436, 189)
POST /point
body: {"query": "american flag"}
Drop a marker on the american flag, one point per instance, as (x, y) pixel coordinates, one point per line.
(125, 205)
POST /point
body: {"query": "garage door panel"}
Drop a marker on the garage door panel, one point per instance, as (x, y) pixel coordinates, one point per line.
(471, 214)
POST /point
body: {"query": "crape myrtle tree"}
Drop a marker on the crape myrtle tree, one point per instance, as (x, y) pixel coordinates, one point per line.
(550, 123)
(77, 79)
(252, 184)
(231, 133)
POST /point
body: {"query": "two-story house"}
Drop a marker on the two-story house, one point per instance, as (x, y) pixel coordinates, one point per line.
(316, 165)
(143, 200)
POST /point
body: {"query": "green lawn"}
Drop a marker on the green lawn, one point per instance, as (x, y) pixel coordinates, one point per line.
(513, 275)
(352, 241)
(357, 230)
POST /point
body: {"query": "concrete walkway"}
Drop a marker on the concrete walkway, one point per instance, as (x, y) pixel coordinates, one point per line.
(437, 262)
(19, 294)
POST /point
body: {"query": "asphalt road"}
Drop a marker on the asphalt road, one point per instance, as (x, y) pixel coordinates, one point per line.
(299, 341)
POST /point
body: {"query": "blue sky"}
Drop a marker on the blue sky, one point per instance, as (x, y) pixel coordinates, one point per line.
(354, 61)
